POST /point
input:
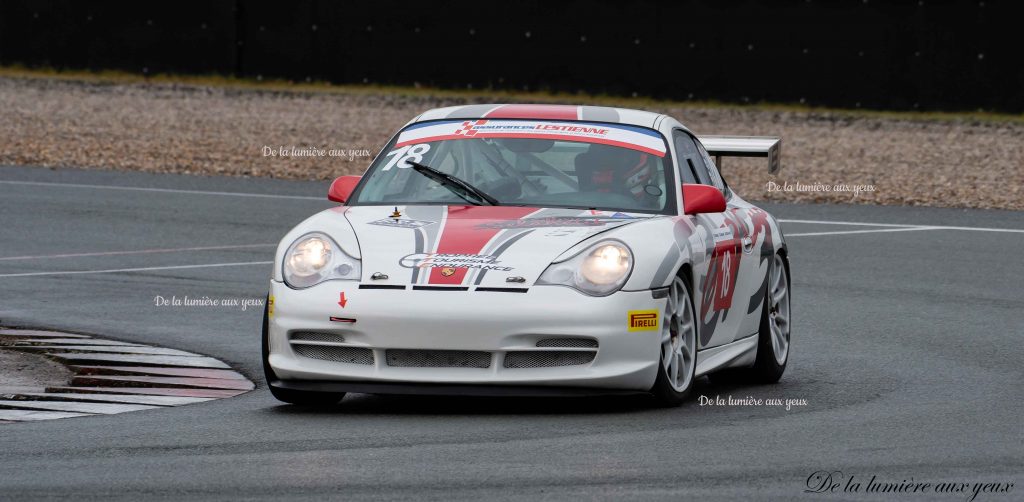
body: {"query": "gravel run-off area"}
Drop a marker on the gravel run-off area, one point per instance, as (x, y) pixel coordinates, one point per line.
(223, 129)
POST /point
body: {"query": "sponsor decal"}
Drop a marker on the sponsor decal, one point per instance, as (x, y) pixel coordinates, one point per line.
(644, 320)
(401, 223)
(471, 128)
(341, 300)
(625, 136)
(270, 306)
(448, 262)
(722, 234)
(550, 221)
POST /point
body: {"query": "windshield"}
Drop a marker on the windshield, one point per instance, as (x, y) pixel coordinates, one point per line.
(526, 163)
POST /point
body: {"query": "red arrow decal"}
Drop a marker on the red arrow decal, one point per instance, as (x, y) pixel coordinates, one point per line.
(341, 300)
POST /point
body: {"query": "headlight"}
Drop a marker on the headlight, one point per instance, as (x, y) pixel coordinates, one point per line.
(315, 258)
(599, 270)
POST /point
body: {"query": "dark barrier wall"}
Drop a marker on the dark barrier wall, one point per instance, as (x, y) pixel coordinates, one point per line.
(952, 55)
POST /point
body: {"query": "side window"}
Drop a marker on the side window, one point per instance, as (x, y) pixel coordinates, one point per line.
(716, 177)
(688, 158)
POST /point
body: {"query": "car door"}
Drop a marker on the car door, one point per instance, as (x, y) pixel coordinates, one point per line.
(756, 243)
(726, 239)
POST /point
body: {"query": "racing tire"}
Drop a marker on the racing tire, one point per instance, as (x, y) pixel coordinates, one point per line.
(290, 396)
(773, 334)
(677, 361)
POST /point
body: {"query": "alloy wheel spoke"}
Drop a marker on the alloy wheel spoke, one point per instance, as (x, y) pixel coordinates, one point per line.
(673, 374)
(781, 320)
(775, 342)
(685, 324)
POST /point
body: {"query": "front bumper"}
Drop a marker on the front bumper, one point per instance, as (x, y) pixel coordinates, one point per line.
(499, 330)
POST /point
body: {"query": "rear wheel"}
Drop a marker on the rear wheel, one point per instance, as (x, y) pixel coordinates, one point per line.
(678, 360)
(773, 335)
(291, 396)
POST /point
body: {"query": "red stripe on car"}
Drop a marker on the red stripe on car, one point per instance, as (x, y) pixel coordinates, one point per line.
(462, 234)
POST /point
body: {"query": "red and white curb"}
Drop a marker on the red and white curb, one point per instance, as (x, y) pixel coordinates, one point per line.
(115, 377)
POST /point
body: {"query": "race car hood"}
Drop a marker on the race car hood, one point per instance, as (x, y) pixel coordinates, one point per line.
(481, 246)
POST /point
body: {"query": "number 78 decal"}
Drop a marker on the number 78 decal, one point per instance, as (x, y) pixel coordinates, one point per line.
(401, 156)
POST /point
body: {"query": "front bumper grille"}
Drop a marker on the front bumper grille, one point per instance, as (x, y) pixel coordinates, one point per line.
(574, 343)
(408, 358)
(349, 355)
(317, 336)
(327, 346)
(522, 359)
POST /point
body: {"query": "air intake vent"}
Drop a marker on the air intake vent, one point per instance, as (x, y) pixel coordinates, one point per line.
(547, 359)
(574, 343)
(438, 358)
(348, 355)
(316, 336)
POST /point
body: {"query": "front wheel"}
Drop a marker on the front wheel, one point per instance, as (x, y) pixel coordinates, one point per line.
(291, 396)
(678, 360)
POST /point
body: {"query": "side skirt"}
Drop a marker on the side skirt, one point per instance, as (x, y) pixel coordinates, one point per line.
(740, 353)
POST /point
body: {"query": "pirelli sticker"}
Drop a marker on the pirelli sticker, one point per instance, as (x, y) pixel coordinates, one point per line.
(644, 320)
(270, 306)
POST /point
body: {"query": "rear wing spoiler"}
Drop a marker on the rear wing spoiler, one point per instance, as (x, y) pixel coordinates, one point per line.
(745, 146)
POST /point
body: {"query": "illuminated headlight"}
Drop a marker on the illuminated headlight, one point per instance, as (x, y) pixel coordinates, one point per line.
(315, 258)
(599, 270)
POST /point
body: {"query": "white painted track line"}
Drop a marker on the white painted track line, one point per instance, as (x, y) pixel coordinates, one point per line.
(860, 223)
(165, 190)
(844, 232)
(983, 229)
(139, 251)
(895, 225)
(302, 197)
(141, 269)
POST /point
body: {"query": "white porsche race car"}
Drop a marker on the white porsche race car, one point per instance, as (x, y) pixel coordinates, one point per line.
(531, 250)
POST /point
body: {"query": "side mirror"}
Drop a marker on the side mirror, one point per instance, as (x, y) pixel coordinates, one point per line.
(699, 199)
(341, 188)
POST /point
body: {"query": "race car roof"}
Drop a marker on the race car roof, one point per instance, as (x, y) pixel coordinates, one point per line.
(549, 112)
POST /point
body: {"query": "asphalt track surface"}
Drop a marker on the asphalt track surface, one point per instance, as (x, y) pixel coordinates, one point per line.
(906, 348)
